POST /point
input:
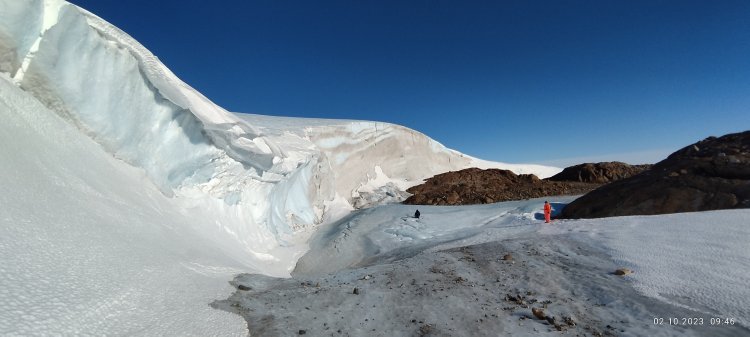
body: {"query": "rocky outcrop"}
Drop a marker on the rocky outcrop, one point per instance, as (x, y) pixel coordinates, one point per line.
(708, 175)
(477, 186)
(599, 173)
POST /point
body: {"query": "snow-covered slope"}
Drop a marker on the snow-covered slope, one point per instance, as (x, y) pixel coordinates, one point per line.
(262, 188)
(90, 246)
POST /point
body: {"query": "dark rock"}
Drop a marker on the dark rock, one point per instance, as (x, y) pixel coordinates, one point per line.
(425, 330)
(476, 186)
(623, 271)
(538, 313)
(709, 175)
(599, 173)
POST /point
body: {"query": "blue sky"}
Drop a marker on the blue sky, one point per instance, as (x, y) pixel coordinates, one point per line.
(554, 82)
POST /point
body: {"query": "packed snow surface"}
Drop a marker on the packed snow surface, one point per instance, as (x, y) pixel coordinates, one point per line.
(697, 260)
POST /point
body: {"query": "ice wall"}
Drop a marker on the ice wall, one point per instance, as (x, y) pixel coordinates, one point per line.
(109, 86)
(366, 158)
(19, 26)
(261, 182)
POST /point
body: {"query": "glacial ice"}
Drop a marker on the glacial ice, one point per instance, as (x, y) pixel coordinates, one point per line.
(263, 188)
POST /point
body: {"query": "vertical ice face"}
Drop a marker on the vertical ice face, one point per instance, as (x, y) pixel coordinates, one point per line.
(259, 189)
(98, 85)
(20, 24)
(114, 90)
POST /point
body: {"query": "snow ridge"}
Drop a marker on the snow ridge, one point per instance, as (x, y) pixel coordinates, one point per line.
(263, 180)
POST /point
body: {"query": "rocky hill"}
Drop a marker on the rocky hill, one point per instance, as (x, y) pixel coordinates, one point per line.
(599, 173)
(476, 186)
(708, 175)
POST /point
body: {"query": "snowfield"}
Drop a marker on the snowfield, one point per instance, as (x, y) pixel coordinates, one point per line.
(129, 201)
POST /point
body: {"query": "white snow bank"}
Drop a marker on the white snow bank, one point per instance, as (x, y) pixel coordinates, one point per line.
(113, 89)
(90, 247)
(698, 260)
(263, 190)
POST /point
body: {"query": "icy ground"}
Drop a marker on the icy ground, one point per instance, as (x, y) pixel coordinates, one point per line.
(380, 272)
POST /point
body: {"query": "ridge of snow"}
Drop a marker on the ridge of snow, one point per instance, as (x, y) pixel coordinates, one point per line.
(266, 182)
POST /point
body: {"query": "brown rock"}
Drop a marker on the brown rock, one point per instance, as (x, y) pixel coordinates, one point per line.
(476, 186)
(623, 271)
(716, 176)
(599, 173)
(538, 313)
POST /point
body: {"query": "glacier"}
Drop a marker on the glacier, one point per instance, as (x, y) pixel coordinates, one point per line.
(119, 182)
(264, 179)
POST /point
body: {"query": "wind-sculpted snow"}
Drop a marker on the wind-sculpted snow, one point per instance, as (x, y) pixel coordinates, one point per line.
(262, 190)
(89, 247)
(115, 91)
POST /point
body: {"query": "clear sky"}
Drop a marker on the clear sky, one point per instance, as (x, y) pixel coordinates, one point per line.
(553, 82)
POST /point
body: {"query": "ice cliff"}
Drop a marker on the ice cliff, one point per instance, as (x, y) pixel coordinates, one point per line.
(262, 179)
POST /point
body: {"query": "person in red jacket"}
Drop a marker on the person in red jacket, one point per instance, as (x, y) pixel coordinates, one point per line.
(547, 211)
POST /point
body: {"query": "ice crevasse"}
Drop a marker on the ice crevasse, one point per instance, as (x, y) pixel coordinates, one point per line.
(262, 179)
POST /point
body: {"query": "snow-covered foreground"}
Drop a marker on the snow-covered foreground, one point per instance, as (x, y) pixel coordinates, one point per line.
(444, 275)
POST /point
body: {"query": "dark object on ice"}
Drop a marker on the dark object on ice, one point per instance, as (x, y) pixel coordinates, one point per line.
(425, 329)
(416, 214)
(538, 313)
(709, 175)
(356, 291)
(515, 299)
(244, 287)
(599, 173)
(507, 257)
(302, 332)
(623, 271)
